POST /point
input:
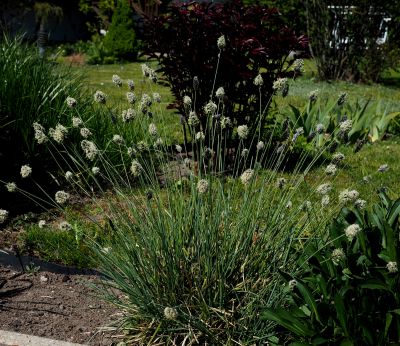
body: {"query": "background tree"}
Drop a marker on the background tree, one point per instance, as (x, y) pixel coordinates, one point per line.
(293, 12)
(43, 12)
(346, 37)
(120, 40)
(104, 9)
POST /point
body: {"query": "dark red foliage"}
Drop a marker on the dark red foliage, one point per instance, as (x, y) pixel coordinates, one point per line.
(184, 41)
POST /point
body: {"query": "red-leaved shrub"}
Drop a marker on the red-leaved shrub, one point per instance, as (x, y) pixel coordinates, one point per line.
(184, 41)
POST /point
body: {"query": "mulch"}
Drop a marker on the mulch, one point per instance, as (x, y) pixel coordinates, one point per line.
(58, 306)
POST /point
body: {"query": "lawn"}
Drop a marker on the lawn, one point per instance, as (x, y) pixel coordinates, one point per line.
(99, 78)
(388, 93)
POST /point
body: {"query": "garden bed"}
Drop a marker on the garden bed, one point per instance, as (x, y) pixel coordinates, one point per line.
(57, 306)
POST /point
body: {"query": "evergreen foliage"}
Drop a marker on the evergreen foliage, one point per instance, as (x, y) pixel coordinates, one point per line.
(120, 40)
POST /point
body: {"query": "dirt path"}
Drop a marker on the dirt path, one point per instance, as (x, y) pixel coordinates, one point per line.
(56, 306)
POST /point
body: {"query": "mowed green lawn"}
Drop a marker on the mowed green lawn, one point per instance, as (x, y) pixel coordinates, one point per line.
(358, 165)
(99, 77)
(365, 163)
(387, 92)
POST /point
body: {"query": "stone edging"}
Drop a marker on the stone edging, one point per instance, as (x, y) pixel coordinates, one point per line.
(18, 339)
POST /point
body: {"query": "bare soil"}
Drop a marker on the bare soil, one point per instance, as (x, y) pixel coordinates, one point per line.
(56, 306)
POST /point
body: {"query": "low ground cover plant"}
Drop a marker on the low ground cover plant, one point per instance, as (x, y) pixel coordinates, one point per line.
(347, 289)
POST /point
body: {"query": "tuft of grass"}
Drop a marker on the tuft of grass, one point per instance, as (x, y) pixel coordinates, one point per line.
(68, 247)
(53, 245)
(57, 246)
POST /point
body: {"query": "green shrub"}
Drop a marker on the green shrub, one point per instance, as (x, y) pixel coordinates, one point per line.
(120, 40)
(94, 51)
(79, 47)
(97, 53)
(348, 293)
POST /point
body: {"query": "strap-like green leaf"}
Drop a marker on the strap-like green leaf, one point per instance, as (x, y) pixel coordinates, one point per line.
(390, 241)
(374, 284)
(341, 313)
(394, 213)
(389, 318)
(286, 320)
(309, 299)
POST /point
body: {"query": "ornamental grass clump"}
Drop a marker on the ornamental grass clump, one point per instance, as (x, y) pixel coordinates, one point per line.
(193, 257)
(197, 240)
(45, 107)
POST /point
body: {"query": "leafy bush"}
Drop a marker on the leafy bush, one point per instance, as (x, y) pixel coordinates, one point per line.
(97, 53)
(292, 11)
(120, 40)
(94, 51)
(349, 292)
(66, 49)
(255, 41)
